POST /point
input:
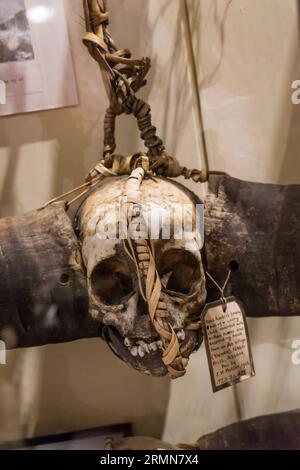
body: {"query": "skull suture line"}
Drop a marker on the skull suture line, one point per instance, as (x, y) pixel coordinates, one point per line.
(113, 284)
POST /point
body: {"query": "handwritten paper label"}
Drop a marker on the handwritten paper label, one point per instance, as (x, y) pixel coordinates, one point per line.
(227, 343)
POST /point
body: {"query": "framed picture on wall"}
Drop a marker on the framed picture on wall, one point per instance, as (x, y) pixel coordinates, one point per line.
(36, 69)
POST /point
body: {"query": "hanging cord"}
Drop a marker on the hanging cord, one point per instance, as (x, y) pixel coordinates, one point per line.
(123, 78)
(102, 172)
(221, 289)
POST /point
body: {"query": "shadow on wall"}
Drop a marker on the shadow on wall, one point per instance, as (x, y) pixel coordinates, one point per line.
(130, 30)
(178, 91)
(219, 19)
(72, 136)
(201, 19)
(213, 25)
(7, 195)
(290, 169)
(167, 89)
(98, 389)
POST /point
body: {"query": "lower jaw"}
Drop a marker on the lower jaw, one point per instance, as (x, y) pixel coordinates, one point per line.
(150, 364)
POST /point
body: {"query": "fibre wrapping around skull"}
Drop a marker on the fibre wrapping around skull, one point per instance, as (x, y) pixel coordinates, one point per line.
(174, 225)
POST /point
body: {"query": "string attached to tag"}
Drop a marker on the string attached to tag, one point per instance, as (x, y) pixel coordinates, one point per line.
(221, 289)
(226, 337)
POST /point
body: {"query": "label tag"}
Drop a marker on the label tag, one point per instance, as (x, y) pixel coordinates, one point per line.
(227, 343)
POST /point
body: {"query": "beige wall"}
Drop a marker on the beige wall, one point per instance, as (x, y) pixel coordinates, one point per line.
(246, 56)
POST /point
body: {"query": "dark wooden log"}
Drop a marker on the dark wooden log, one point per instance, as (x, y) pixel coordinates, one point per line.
(279, 431)
(273, 432)
(257, 225)
(43, 295)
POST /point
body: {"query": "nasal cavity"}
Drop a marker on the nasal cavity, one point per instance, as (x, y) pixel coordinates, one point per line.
(142, 306)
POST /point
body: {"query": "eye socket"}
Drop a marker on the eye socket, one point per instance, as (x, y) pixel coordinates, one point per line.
(111, 281)
(179, 270)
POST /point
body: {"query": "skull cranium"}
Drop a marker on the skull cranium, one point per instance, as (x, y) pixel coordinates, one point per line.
(114, 295)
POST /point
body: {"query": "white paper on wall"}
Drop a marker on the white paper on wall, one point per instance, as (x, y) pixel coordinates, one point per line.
(35, 56)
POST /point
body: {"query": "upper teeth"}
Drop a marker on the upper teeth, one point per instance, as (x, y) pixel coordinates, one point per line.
(141, 347)
(153, 346)
(144, 346)
(181, 335)
(134, 351)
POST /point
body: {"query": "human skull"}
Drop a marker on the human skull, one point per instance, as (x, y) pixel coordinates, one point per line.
(114, 294)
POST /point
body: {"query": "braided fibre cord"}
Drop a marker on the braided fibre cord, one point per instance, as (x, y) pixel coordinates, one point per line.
(123, 77)
(141, 250)
(126, 77)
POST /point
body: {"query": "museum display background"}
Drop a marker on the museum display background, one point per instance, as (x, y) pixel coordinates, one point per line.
(247, 56)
